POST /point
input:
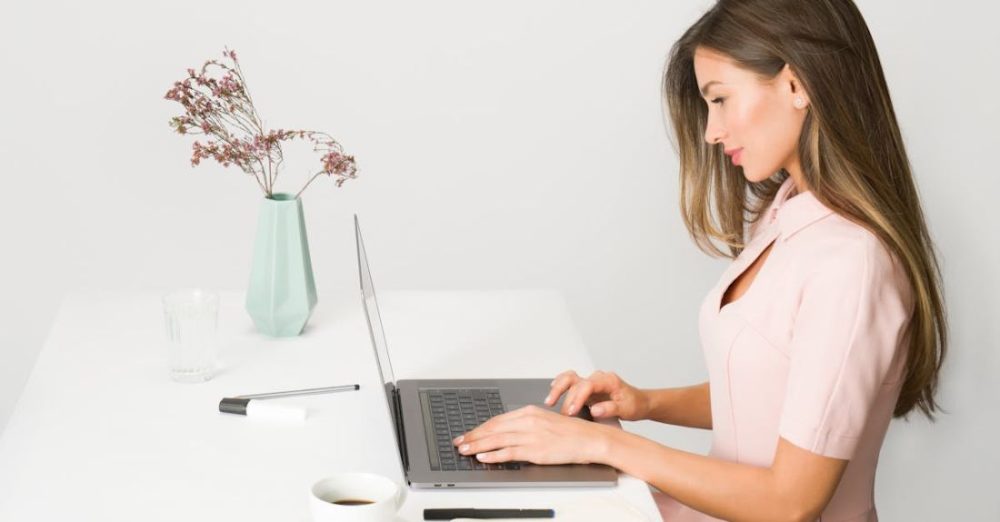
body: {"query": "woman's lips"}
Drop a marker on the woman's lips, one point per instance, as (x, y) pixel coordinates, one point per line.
(736, 157)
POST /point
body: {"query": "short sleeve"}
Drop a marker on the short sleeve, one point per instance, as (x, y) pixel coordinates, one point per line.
(851, 319)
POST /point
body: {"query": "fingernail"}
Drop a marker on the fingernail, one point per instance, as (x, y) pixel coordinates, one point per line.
(463, 448)
(572, 410)
(597, 411)
(460, 439)
(548, 399)
(480, 457)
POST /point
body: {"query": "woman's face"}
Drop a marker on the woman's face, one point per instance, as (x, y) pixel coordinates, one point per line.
(756, 122)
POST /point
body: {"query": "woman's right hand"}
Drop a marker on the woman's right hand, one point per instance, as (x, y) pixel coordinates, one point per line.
(605, 393)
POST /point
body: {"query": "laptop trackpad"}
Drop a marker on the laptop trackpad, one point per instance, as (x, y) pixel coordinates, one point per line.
(584, 412)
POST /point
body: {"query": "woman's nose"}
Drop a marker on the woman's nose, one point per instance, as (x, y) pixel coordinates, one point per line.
(714, 134)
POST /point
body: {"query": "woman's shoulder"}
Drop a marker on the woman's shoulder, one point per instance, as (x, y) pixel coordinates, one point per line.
(840, 240)
(839, 249)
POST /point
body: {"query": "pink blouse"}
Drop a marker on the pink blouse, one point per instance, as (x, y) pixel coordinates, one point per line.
(813, 351)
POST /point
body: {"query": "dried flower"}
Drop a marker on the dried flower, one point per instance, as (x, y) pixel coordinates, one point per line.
(219, 106)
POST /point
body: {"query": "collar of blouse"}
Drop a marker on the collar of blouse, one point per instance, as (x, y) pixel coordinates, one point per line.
(794, 211)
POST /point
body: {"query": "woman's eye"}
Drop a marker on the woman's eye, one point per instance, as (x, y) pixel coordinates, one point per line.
(718, 100)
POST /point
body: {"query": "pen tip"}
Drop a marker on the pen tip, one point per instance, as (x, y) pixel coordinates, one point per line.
(357, 386)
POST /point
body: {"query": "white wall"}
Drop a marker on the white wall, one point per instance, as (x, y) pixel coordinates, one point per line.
(502, 144)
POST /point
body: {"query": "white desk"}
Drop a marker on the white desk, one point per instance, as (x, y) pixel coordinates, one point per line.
(101, 433)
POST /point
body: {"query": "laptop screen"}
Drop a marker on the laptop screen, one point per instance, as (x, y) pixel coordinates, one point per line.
(375, 329)
(371, 309)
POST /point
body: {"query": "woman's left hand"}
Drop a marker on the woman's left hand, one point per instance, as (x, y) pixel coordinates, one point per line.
(537, 435)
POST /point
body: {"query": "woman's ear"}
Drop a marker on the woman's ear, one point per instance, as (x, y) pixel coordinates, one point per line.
(795, 89)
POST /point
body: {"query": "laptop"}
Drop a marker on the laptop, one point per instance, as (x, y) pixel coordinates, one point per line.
(428, 414)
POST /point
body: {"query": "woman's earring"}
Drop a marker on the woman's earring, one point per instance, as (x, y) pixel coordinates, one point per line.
(799, 103)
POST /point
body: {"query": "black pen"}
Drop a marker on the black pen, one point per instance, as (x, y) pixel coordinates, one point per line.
(453, 513)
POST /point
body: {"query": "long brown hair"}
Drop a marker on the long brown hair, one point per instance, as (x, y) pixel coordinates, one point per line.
(851, 151)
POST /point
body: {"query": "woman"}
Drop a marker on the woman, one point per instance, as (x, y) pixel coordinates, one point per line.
(830, 320)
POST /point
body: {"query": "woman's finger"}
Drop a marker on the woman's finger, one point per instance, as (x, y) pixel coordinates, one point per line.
(500, 423)
(500, 455)
(576, 396)
(567, 373)
(492, 443)
(560, 384)
(604, 409)
(604, 382)
(568, 396)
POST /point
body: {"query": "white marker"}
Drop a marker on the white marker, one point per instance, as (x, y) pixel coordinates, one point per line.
(260, 409)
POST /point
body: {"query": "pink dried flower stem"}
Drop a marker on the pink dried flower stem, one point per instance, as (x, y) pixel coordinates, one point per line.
(335, 162)
(222, 109)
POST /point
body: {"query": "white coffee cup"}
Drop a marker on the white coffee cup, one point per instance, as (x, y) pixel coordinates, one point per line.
(329, 498)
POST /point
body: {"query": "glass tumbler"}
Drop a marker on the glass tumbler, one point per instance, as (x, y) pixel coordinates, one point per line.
(192, 317)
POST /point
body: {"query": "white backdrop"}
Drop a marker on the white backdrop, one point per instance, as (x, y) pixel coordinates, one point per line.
(500, 145)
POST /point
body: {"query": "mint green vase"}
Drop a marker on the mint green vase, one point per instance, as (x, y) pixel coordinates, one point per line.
(282, 293)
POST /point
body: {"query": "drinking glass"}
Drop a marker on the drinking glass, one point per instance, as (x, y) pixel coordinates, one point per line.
(192, 317)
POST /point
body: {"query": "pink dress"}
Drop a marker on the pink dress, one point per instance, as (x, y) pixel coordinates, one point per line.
(813, 351)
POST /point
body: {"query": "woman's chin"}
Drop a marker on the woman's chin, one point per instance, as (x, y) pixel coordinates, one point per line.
(748, 174)
(753, 176)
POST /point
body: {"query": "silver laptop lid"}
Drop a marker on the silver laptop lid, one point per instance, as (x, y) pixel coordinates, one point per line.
(372, 311)
(377, 334)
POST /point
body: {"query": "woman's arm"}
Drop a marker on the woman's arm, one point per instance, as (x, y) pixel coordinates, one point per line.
(689, 406)
(796, 487)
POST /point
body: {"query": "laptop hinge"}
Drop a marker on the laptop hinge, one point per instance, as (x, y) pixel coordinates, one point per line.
(400, 431)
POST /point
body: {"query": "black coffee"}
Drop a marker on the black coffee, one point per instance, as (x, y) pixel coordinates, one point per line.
(352, 502)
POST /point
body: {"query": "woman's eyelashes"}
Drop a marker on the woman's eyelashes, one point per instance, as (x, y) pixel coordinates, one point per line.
(718, 100)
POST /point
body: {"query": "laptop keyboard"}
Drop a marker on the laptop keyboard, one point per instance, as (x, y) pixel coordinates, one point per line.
(455, 412)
